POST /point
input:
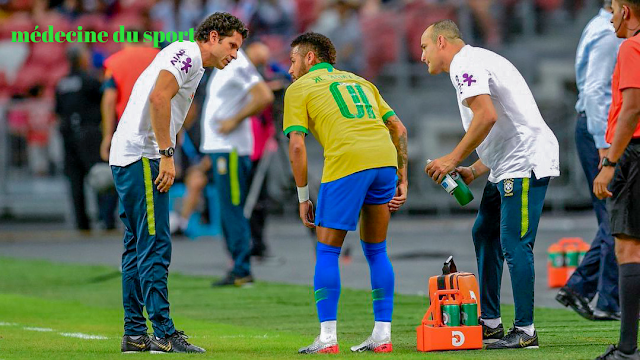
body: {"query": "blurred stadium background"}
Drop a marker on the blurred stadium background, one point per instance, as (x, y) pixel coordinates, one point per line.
(378, 39)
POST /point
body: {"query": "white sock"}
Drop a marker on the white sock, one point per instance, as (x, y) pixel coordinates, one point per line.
(527, 329)
(135, 337)
(492, 323)
(183, 223)
(328, 331)
(381, 331)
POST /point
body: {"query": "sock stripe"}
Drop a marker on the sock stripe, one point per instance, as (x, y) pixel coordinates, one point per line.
(321, 294)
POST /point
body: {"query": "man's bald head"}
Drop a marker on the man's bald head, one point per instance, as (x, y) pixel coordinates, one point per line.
(445, 28)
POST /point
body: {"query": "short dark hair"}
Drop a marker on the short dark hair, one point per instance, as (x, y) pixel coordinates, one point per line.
(635, 4)
(224, 23)
(319, 44)
(446, 28)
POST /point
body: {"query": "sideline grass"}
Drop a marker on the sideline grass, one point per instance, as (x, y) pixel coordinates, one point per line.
(266, 321)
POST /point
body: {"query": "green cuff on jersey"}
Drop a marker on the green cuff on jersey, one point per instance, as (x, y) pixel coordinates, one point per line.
(295, 128)
(388, 115)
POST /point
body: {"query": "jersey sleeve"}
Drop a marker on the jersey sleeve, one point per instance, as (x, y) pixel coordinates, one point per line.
(181, 64)
(385, 110)
(295, 111)
(629, 58)
(471, 80)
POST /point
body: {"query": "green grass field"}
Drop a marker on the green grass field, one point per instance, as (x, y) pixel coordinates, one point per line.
(43, 305)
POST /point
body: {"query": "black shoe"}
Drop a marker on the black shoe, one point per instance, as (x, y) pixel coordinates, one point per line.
(516, 339)
(228, 280)
(490, 335)
(243, 281)
(233, 280)
(601, 315)
(579, 304)
(613, 353)
(176, 342)
(129, 345)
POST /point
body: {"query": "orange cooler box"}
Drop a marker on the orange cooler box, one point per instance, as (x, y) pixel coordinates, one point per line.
(432, 335)
(449, 338)
(463, 281)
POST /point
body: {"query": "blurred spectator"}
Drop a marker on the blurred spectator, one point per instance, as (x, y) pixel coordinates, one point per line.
(78, 107)
(274, 17)
(483, 14)
(233, 95)
(340, 22)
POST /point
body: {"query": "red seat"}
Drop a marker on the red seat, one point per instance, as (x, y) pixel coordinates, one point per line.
(306, 13)
(382, 47)
(48, 53)
(417, 17)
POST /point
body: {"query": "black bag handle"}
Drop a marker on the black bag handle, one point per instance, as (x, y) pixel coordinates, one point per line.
(449, 266)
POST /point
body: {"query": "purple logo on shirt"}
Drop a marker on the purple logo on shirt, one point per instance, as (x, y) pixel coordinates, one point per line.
(468, 79)
(177, 56)
(186, 65)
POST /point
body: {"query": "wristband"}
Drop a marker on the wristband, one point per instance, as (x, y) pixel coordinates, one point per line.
(473, 172)
(303, 194)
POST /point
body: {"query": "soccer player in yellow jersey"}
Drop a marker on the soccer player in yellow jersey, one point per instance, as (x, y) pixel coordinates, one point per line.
(364, 176)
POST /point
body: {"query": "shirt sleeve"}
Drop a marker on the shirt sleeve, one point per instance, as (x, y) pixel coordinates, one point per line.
(247, 74)
(385, 110)
(181, 64)
(295, 111)
(629, 59)
(597, 88)
(471, 80)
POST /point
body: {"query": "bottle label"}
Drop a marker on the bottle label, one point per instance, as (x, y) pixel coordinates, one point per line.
(449, 184)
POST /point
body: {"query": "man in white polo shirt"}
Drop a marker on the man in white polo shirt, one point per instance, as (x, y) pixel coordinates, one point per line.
(233, 95)
(141, 156)
(503, 124)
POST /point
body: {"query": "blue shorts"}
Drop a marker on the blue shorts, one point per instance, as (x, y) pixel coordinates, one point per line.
(340, 201)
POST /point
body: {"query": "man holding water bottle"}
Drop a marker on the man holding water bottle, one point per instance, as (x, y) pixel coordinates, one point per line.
(520, 152)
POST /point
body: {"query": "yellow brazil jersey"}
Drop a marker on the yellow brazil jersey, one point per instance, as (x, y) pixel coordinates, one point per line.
(346, 114)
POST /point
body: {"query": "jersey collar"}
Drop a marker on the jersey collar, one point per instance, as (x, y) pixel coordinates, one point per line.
(322, 65)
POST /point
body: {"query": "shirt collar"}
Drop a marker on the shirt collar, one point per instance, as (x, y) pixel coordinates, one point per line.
(605, 14)
(322, 65)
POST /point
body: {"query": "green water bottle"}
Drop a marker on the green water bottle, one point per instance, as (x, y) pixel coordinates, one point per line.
(451, 313)
(469, 313)
(455, 186)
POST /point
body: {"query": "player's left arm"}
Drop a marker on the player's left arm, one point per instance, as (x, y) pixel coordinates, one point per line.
(261, 97)
(626, 126)
(165, 89)
(484, 117)
(398, 133)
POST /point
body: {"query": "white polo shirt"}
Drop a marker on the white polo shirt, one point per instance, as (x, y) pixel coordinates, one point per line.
(134, 137)
(228, 91)
(520, 140)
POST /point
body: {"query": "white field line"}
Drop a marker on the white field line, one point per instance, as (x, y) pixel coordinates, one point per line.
(39, 329)
(73, 335)
(84, 336)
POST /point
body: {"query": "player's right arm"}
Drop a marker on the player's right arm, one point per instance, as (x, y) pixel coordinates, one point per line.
(165, 89)
(108, 110)
(296, 127)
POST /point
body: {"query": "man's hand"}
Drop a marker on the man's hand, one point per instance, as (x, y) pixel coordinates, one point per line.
(400, 198)
(227, 126)
(439, 168)
(306, 214)
(602, 153)
(602, 181)
(105, 147)
(466, 173)
(166, 174)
